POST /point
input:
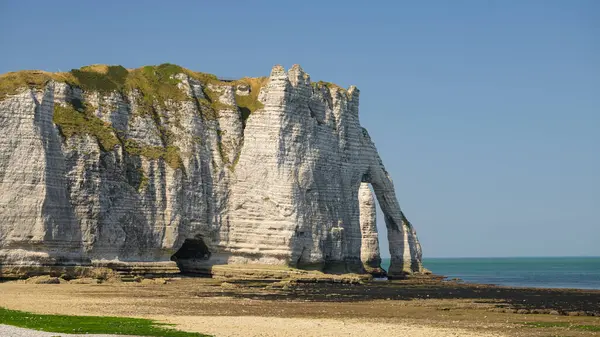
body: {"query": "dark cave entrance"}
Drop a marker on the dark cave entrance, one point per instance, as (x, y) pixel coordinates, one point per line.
(191, 250)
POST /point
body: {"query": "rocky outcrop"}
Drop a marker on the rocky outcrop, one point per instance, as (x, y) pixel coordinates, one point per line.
(104, 166)
(369, 250)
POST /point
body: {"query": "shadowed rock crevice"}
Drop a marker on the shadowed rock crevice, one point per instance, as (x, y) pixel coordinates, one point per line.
(191, 252)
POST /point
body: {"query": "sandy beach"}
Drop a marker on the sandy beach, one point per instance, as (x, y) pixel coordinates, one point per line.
(253, 308)
(241, 326)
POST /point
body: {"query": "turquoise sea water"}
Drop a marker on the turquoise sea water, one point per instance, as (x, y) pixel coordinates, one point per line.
(542, 272)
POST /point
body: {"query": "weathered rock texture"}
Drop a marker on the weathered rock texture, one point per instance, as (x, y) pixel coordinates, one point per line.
(266, 171)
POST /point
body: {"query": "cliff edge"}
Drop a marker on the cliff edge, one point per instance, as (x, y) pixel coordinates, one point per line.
(161, 165)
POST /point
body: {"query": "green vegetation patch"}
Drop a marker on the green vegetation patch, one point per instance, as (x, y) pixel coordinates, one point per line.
(172, 157)
(104, 79)
(11, 83)
(329, 85)
(203, 78)
(213, 98)
(143, 180)
(563, 325)
(171, 154)
(248, 104)
(157, 84)
(207, 110)
(76, 119)
(90, 324)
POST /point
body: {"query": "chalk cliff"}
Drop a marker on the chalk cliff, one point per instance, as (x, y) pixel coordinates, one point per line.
(107, 165)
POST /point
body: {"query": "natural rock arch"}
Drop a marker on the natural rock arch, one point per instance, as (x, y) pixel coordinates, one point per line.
(405, 249)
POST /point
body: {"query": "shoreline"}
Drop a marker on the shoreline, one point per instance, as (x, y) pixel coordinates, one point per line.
(457, 280)
(461, 281)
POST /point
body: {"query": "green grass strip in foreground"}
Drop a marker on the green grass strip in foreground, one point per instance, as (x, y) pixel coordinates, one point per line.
(90, 324)
(563, 325)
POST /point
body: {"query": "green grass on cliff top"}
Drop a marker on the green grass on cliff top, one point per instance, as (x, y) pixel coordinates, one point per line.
(156, 87)
(156, 83)
(90, 324)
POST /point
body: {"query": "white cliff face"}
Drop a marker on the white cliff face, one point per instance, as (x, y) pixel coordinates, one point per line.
(288, 185)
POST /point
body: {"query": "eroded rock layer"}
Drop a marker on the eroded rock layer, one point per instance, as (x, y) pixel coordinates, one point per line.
(106, 165)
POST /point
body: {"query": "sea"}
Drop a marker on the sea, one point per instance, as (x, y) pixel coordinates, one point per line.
(538, 272)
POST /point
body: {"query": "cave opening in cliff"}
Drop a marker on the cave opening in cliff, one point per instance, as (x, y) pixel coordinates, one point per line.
(192, 249)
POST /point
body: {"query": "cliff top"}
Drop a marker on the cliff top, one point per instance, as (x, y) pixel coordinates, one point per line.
(155, 87)
(109, 78)
(154, 81)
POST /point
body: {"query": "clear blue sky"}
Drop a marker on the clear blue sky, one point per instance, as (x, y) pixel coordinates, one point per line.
(486, 113)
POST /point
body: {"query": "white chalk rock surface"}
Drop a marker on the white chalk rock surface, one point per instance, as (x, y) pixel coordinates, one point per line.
(291, 183)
